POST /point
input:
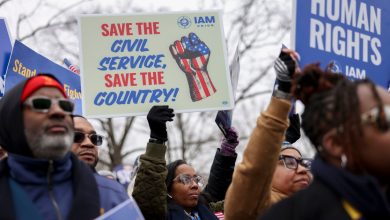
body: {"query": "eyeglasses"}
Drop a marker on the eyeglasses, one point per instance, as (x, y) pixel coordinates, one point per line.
(381, 119)
(43, 104)
(291, 162)
(187, 179)
(95, 138)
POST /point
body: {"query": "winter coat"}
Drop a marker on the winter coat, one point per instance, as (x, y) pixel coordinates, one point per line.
(250, 192)
(32, 188)
(334, 194)
(111, 193)
(150, 190)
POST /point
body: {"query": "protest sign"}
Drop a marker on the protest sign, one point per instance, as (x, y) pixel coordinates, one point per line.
(25, 63)
(5, 52)
(350, 35)
(132, 62)
(126, 210)
(224, 117)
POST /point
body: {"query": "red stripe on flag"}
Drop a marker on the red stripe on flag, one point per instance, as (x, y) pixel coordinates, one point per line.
(187, 66)
(203, 59)
(199, 74)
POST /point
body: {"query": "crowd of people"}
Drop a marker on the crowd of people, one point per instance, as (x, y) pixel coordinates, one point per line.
(49, 170)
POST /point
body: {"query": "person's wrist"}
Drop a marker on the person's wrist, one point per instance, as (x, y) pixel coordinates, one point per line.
(156, 141)
(282, 95)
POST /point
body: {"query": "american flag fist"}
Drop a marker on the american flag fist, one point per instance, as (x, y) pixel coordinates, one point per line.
(192, 55)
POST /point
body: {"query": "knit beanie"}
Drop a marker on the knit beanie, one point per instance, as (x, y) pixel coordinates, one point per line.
(39, 81)
(287, 145)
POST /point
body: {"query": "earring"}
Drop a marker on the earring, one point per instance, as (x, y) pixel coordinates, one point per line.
(169, 196)
(344, 161)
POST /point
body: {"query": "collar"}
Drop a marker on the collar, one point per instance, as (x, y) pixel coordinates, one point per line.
(363, 192)
(30, 170)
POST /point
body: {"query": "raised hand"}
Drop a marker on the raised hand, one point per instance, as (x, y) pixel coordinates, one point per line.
(157, 118)
(285, 67)
(192, 56)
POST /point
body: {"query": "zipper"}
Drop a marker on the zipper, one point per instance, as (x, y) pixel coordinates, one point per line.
(51, 193)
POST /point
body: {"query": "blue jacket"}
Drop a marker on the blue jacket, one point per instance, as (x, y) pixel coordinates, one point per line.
(111, 192)
(51, 189)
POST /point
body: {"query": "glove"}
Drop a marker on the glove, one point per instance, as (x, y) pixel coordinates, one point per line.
(293, 132)
(229, 144)
(285, 67)
(157, 118)
(192, 56)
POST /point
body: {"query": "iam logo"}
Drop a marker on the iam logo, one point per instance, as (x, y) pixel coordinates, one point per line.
(184, 22)
(334, 66)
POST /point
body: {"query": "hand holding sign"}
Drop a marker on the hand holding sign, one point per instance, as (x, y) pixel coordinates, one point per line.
(192, 56)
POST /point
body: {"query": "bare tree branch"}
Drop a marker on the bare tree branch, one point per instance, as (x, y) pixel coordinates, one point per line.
(3, 2)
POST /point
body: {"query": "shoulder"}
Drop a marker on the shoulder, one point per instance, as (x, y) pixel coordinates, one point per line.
(110, 191)
(112, 185)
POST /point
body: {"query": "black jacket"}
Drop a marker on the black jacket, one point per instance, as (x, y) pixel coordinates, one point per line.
(333, 187)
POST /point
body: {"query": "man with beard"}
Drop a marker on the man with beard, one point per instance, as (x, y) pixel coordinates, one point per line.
(85, 147)
(40, 178)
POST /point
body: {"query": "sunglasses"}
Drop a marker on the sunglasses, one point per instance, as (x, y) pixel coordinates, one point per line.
(291, 162)
(377, 116)
(43, 104)
(187, 179)
(96, 139)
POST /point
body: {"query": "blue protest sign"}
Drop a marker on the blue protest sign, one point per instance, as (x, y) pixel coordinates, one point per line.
(5, 52)
(351, 35)
(126, 210)
(25, 63)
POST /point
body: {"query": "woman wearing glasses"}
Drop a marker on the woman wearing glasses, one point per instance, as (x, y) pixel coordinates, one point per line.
(292, 172)
(269, 170)
(348, 123)
(176, 191)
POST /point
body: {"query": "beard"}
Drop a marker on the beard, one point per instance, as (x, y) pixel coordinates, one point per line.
(50, 146)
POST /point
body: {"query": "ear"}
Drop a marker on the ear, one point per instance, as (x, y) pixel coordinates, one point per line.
(332, 146)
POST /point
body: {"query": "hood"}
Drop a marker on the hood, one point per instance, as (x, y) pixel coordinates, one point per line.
(12, 137)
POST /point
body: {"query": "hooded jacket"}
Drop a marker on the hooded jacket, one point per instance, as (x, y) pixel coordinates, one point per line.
(43, 184)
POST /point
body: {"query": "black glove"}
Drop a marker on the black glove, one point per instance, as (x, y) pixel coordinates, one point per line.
(293, 132)
(157, 117)
(285, 67)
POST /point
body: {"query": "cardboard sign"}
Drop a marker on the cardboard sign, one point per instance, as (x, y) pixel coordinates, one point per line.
(5, 52)
(131, 62)
(350, 36)
(25, 63)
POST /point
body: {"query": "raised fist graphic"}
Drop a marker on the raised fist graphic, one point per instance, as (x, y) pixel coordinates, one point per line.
(192, 55)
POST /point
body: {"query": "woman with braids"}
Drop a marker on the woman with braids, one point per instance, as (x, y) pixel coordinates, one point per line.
(348, 123)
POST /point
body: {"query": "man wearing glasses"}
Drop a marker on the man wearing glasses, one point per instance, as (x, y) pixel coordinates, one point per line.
(86, 141)
(40, 178)
(85, 147)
